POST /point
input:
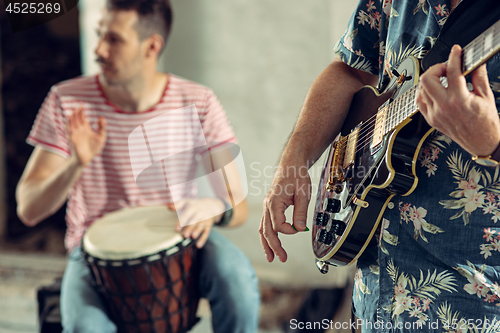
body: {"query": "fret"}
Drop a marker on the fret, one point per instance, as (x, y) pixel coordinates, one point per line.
(413, 100)
(408, 103)
(413, 97)
(385, 124)
(468, 58)
(395, 111)
(488, 41)
(478, 49)
(398, 118)
(403, 111)
(481, 48)
(389, 117)
(403, 114)
(400, 109)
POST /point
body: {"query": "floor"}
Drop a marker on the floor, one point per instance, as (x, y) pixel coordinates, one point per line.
(22, 274)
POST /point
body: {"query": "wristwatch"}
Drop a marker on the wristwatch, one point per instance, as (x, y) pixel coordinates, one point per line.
(492, 160)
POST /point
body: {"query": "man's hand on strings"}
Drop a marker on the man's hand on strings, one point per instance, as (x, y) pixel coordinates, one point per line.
(470, 118)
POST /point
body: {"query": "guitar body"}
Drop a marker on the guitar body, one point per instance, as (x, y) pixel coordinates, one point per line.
(364, 170)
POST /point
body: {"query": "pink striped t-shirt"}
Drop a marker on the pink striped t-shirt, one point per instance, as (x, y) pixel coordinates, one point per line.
(108, 183)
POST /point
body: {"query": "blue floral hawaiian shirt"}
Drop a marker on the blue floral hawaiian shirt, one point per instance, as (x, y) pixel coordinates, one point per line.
(437, 264)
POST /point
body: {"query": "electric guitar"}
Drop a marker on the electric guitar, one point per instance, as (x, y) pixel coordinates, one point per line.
(374, 157)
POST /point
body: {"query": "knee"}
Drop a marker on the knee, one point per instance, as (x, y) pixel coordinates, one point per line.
(239, 287)
(227, 274)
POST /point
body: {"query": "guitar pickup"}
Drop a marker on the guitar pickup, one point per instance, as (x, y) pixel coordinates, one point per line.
(350, 151)
(379, 129)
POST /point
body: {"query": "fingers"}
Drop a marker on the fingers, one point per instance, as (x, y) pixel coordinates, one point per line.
(81, 116)
(276, 210)
(480, 82)
(301, 202)
(197, 231)
(203, 238)
(424, 102)
(101, 126)
(430, 82)
(269, 238)
(74, 118)
(456, 81)
(79, 120)
(267, 249)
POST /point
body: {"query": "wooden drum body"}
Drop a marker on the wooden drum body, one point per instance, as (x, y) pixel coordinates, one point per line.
(146, 272)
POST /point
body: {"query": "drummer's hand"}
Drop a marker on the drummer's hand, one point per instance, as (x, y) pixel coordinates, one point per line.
(288, 188)
(86, 142)
(194, 213)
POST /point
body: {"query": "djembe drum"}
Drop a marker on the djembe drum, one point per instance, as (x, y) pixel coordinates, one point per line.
(146, 272)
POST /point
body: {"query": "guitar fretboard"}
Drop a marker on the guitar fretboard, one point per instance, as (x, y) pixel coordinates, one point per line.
(481, 48)
(400, 109)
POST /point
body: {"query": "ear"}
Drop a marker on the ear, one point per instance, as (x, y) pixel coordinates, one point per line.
(155, 45)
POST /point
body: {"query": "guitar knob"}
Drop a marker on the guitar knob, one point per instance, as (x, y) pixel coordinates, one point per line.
(333, 205)
(329, 238)
(338, 227)
(325, 237)
(322, 236)
(322, 219)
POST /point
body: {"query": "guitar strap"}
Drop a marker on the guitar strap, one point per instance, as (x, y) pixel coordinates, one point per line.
(466, 22)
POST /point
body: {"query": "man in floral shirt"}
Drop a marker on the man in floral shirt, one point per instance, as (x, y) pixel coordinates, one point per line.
(437, 265)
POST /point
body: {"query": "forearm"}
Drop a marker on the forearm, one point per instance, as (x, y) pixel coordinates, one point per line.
(323, 113)
(39, 198)
(240, 214)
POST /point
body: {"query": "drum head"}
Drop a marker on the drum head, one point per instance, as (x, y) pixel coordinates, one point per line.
(132, 233)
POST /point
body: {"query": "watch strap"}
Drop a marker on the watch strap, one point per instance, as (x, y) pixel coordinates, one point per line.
(490, 160)
(226, 217)
(495, 156)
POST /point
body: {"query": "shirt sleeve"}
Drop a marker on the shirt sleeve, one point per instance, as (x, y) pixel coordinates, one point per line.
(360, 47)
(49, 128)
(215, 123)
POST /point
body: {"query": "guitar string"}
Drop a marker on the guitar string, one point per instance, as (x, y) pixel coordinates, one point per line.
(367, 125)
(364, 140)
(395, 117)
(480, 40)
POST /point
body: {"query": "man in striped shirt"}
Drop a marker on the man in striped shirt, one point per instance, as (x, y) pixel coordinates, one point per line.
(81, 136)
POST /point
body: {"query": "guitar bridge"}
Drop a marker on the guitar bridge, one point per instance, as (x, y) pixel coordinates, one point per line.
(336, 172)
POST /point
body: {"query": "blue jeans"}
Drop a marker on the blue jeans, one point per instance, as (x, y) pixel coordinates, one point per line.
(227, 280)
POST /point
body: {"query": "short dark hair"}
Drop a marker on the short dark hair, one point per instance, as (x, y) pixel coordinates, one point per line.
(154, 16)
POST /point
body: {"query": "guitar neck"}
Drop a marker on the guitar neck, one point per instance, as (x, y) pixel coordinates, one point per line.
(474, 55)
(481, 49)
